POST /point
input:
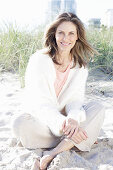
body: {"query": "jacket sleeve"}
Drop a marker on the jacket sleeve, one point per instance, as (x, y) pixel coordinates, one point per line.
(38, 99)
(74, 107)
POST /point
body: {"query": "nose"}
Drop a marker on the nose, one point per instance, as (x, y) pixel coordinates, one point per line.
(65, 38)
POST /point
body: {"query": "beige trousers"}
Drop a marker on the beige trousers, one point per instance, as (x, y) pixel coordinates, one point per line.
(33, 134)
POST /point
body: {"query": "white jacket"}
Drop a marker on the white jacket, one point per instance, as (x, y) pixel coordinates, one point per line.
(40, 96)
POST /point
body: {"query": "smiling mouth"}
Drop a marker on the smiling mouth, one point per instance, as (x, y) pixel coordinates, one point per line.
(65, 44)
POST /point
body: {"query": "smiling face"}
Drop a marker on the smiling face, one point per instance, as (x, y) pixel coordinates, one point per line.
(66, 36)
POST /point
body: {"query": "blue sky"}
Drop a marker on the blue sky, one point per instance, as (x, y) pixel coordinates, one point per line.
(30, 12)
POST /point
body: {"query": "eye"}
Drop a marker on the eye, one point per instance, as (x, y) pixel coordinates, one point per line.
(71, 33)
(60, 32)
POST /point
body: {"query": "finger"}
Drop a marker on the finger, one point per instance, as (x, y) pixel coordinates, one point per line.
(71, 133)
(63, 125)
(67, 131)
(75, 133)
(82, 135)
(85, 133)
(76, 140)
(76, 130)
(79, 137)
(67, 128)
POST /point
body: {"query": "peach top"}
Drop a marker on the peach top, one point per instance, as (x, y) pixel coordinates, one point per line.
(61, 78)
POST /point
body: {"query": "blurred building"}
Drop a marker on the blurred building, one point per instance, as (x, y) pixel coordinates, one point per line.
(68, 6)
(109, 18)
(94, 22)
(58, 6)
(55, 6)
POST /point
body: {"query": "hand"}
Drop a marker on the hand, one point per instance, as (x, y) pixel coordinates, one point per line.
(79, 136)
(69, 127)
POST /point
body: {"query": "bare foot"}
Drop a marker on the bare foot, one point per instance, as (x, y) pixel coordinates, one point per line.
(45, 160)
(36, 164)
(96, 142)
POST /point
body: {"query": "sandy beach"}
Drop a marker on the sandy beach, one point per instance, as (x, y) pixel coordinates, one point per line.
(15, 157)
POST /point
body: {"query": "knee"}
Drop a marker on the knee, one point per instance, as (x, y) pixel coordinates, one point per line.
(99, 108)
(18, 123)
(98, 105)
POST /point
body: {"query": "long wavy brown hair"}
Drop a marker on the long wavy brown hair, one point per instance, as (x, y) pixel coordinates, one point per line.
(82, 50)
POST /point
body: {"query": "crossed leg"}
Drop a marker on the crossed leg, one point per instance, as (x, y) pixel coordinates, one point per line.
(95, 113)
(48, 156)
(36, 164)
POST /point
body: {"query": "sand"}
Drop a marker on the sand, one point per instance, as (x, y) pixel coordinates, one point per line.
(15, 157)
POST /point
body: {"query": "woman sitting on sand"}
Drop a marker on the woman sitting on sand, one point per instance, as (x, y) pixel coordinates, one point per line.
(55, 82)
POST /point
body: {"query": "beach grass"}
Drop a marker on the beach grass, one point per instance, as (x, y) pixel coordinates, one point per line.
(16, 46)
(102, 40)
